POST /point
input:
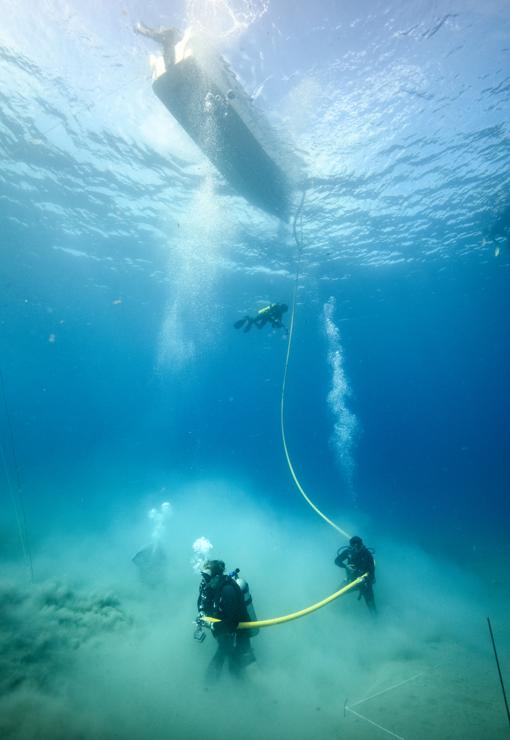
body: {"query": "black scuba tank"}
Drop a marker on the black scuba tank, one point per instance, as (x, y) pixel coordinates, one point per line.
(248, 601)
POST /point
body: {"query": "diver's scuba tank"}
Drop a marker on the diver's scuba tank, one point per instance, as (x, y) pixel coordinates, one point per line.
(261, 312)
(248, 601)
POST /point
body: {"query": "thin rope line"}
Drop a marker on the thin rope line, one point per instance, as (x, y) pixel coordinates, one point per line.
(390, 688)
(384, 729)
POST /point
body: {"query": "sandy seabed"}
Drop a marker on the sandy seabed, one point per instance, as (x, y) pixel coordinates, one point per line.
(87, 651)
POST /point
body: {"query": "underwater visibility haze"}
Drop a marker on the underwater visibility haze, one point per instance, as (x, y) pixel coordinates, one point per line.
(141, 432)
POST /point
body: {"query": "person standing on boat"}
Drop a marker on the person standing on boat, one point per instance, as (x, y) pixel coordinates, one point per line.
(167, 37)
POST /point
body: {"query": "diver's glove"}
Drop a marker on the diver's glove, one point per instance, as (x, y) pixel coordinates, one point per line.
(199, 632)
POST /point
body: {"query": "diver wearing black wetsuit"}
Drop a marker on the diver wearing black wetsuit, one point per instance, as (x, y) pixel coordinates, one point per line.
(271, 314)
(221, 597)
(357, 560)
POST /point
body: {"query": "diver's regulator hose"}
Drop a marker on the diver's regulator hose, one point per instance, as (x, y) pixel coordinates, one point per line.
(294, 615)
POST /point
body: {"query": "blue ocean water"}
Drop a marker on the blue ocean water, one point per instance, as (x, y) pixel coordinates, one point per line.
(125, 260)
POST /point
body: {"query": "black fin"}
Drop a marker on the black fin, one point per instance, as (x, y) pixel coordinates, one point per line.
(238, 324)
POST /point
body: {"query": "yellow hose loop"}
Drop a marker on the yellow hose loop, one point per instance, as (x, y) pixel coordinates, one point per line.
(294, 476)
(294, 615)
(299, 242)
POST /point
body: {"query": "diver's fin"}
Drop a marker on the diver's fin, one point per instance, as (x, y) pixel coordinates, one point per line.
(239, 323)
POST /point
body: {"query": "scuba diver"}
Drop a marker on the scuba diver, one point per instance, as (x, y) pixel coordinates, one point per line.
(151, 563)
(167, 37)
(222, 597)
(357, 560)
(271, 314)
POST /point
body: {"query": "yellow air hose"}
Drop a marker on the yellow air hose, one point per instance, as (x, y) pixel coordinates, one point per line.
(294, 615)
(309, 609)
(300, 245)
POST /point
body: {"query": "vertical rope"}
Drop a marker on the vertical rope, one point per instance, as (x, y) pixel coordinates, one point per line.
(499, 669)
(298, 223)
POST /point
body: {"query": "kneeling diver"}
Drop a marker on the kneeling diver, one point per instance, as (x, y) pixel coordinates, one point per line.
(357, 560)
(271, 314)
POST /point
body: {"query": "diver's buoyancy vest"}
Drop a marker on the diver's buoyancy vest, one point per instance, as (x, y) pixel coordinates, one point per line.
(360, 562)
(209, 600)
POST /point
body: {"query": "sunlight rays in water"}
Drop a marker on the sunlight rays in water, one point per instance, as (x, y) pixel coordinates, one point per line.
(195, 256)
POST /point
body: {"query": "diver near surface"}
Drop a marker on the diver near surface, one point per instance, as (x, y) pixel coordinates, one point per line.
(167, 37)
(221, 597)
(271, 314)
(357, 560)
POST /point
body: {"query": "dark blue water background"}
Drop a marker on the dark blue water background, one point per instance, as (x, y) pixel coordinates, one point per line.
(409, 236)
